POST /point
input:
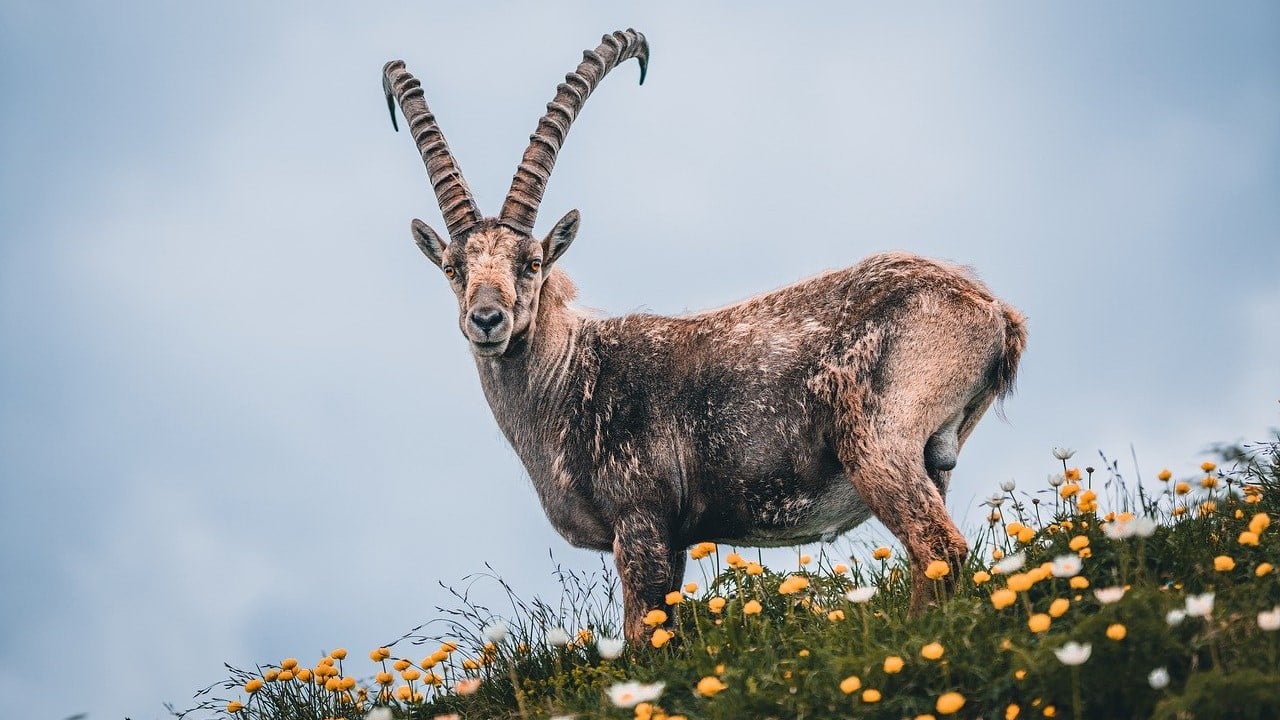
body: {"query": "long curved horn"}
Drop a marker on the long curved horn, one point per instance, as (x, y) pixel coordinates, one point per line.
(456, 202)
(520, 209)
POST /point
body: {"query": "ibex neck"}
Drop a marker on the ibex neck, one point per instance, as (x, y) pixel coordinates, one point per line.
(527, 388)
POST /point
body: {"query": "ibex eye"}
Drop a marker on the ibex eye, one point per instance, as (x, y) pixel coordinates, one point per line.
(535, 266)
(449, 272)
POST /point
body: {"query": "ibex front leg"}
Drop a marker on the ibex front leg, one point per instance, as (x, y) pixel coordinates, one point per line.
(642, 548)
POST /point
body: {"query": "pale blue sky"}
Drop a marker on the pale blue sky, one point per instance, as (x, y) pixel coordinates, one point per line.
(237, 421)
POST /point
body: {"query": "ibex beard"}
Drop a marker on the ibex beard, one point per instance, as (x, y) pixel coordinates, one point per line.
(787, 418)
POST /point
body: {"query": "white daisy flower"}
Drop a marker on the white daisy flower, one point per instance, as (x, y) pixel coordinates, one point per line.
(1106, 596)
(1158, 679)
(557, 637)
(860, 594)
(496, 632)
(630, 694)
(1011, 564)
(1200, 605)
(1065, 566)
(609, 647)
(1073, 653)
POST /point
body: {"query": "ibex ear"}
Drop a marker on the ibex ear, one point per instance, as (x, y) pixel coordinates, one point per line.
(559, 238)
(428, 242)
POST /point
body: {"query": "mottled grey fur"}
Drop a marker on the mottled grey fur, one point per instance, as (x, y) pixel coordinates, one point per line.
(787, 418)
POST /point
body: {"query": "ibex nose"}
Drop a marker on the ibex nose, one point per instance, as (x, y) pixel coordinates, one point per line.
(486, 318)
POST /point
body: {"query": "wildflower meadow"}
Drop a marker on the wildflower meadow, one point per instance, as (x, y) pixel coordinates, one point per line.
(1086, 595)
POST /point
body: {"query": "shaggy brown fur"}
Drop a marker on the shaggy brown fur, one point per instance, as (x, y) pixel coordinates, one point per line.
(786, 418)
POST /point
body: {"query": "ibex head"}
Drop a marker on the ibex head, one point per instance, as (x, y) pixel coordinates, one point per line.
(495, 265)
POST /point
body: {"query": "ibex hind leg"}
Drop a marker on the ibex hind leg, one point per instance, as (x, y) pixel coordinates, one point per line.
(902, 415)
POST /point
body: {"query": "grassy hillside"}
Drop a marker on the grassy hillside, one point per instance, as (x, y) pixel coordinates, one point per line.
(1084, 597)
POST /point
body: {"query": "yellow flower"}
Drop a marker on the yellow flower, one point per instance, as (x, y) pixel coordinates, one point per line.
(803, 653)
(410, 674)
(1072, 474)
(439, 656)
(701, 550)
(1059, 607)
(755, 568)
(446, 646)
(926, 716)
(338, 654)
(403, 693)
(1079, 542)
(384, 678)
(835, 615)
(288, 663)
(1011, 712)
(806, 559)
(1224, 563)
(253, 686)
(997, 554)
(893, 664)
(235, 706)
(870, 695)
(1050, 711)
(840, 568)
(285, 675)
(1207, 466)
(1208, 482)
(793, 584)
(400, 664)
(716, 604)
(654, 618)
(1019, 674)
(674, 597)
(1248, 538)
(661, 637)
(735, 560)
(710, 685)
(932, 651)
(949, 703)
(850, 685)
(1180, 510)
(1013, 528)
(1020, 582)
(1026, 535)
(1003, 598)
(1039, 623)
(1116, 631)
(1259, 522)
(691, 587)
(751, 608)
(1068, 490)
(937, 570)
(270, 675)
(1182, 488)
(980, 577)
(1164, 475)
(1263, 569)
(881, 553)
(304, 675)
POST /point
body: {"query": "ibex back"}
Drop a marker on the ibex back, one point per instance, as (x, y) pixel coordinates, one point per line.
(787, 418)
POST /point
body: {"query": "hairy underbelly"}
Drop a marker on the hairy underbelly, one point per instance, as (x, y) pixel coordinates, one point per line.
(798, 519)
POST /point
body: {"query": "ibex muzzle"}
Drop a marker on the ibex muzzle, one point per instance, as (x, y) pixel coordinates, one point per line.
(783, 419)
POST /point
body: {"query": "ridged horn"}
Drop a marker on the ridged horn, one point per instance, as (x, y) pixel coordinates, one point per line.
(520, 209)
(456, 201)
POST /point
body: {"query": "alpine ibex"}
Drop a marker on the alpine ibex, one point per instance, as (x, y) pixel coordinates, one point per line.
(783, 419)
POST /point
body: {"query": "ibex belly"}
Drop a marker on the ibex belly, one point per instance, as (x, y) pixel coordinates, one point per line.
(779, 519)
